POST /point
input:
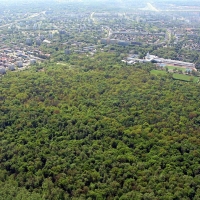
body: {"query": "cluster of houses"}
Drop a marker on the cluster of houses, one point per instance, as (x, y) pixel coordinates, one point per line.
(144, 37)
(115, 41)
(86, 49)
(81, 32)
(126, 38)
(13, 59)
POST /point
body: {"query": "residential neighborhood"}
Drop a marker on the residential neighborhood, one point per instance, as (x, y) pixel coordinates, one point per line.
(28, 37)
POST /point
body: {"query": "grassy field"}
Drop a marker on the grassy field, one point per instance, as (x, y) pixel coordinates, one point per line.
(176, 76)
(174, 67)
(185, 77)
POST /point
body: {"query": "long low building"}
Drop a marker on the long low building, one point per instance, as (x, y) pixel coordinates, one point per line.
(119, 42)
(162, 62)
(138, 33)
(174, 62)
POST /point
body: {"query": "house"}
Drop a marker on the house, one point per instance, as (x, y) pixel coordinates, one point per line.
(19, 64)
(2, 70)
(67, 51)
(188, 70)
(32, 61)
(29, 41)
(47, 41)
(11, 67)
(161, 65)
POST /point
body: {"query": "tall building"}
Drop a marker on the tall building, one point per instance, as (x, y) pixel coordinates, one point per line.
(29, 41)
(38, 41)
(67, 51)
(50, 36)
(138, 19)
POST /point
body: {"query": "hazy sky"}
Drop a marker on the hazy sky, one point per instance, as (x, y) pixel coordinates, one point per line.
(150, 1)
(18, 2)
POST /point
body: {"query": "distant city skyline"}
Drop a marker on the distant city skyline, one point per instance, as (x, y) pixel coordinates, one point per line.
(92, 1)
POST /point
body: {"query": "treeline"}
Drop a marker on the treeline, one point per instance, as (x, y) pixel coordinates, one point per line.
(93, 128)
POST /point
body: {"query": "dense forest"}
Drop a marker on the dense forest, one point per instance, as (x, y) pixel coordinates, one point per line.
(93, 128)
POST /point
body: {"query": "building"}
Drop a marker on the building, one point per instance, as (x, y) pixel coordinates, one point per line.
(161, 65)
(62, 32)
(19, 64)
(11, 67)
(104, 41)
(113, 41)
(47, 41)
(29, 41)
(2, 70)
(50, 36)
(19, 53)
(32, 61)
(123, 43)
(42, 37)
(67, 51)
(175, 63)
(38, 41)
(149, 58)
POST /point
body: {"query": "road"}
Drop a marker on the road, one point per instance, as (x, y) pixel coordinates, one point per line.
(92, 17)
(110, 32)
(150, 7)
(19, 20)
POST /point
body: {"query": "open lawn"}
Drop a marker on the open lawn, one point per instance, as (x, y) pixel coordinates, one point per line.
(185, 77)
(175, 67)
(176, 76)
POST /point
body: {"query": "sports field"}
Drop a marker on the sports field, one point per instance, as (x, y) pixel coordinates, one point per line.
(175, 67)
(183, 77)
(176, 76)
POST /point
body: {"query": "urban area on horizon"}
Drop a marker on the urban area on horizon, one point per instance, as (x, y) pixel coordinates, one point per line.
(161, 33)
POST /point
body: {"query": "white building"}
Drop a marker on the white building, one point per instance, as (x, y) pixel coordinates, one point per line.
(149, 58)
